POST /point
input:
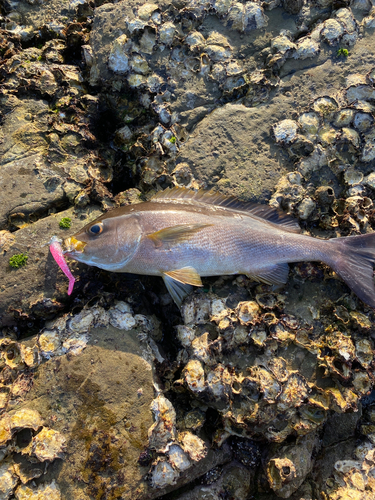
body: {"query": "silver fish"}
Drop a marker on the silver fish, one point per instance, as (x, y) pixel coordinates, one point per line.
(182, 235)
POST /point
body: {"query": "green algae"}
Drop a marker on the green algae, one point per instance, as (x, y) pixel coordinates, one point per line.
(18, 260)
(65, 223)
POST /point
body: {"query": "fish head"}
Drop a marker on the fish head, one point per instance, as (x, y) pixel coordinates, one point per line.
(108, 242)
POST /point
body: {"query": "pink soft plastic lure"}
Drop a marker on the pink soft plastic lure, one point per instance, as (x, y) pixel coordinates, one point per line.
(57, 254)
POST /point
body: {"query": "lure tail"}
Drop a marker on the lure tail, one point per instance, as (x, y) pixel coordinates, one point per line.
(353, 260)
(57, 253)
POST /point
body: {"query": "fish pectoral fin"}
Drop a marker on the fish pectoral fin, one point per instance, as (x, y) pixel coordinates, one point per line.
(186, 275)
(273, 275)
(175, 234)
(177, 289)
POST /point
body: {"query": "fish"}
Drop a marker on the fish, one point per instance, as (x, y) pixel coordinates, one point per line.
(183, 235)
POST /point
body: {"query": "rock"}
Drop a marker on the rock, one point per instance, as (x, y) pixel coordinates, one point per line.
(231, 149)
(287, 471)
(39, 281)
(292, 6)
(95, 407)
(28, 183)
(233, 480)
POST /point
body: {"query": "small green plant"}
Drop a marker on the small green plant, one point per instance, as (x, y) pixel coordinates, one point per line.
(18, 260)
(65, 223)
(39, 58)
(172, 139)
(343, 52)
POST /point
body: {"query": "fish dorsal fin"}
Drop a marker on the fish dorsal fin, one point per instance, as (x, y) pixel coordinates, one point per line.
(175, 234)
(203, 197)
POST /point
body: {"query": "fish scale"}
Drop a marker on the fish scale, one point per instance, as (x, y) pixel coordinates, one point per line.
(182, 235)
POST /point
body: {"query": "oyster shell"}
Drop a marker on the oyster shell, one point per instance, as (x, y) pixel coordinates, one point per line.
(46, 445)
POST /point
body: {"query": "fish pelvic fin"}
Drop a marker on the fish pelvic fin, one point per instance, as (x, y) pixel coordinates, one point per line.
(186, 275)
(274, 275)
(177, 289)
(353, 261)
(175, 234)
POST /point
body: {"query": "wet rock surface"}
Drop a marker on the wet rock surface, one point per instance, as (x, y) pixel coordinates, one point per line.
(247, 391)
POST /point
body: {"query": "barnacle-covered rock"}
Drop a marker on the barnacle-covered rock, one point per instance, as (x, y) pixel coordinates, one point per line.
(11, 354)
(359, 93)
(306, 208)
(25, 419)
(5, 430)
(195, 40)
(285, 131)
(178, 458)
(49, 343)
(47, 491)
(307, 47)
(46, 445)
(163, 474)
(194, 376)
(287, 470)
(325, 195)
(288, 191)
(315, 161)
(192, 445)
(167, 32)
(247, 392)
(118, 60)
(233, 481)
(325, 106)
(353, 176)
(283, 44)
(8, 479)
(246, 17)
(309, 123)
(344, 117)
(164, 428)
(369, 21)
(332, 31)
(328, 135)
(121, 316)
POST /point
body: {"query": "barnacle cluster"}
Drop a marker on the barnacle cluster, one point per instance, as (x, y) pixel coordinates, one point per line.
(267, 373)
(44, 446)
(331, 140)
(27, 444)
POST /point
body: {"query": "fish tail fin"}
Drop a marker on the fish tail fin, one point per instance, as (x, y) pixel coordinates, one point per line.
(353, 261)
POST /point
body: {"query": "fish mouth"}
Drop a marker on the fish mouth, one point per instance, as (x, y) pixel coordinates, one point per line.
(74, 245)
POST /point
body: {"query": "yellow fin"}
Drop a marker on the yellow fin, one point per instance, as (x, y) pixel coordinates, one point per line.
(175, 234)
(186, 275)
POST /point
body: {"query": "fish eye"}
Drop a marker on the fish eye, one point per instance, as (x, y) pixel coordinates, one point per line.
(96, 229)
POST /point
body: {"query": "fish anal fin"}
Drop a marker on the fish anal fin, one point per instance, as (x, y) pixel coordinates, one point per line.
(186, 275)
(275, 275)
(177, 289)
(202, 197)
(175, 234)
